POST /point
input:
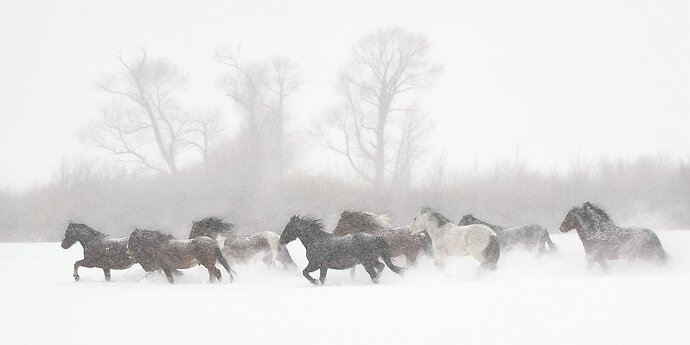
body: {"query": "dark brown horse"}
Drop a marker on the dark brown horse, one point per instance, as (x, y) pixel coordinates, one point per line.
(400, 240)
(170, 254)
(241, 248)
(529, 237)
(326, 251)
(99, 250)
(604, 240)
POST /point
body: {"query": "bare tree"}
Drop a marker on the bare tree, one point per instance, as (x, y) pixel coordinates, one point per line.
(144, 124)
(376, 86)
(204, 130)
(261, 90)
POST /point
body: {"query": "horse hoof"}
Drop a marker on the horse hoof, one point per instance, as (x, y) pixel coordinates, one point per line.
(76, 278)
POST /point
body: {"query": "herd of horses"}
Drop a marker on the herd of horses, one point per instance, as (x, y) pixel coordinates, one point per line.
(359, 238)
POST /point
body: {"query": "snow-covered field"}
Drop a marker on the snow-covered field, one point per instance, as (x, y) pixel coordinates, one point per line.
(550, 300)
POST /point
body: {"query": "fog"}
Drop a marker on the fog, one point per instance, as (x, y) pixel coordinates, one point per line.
(514, 113)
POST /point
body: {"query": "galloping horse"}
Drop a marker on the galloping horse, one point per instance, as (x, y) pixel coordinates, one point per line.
(326, 251)
(401, 241)
(529, 237)
(449, 239)
(242, 248)
(604, 240)
(171, 254)
(99, 250)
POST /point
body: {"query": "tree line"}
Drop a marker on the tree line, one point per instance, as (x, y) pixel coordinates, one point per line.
(162, 164)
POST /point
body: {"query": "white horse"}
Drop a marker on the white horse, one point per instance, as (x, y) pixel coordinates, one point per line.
(448, 239)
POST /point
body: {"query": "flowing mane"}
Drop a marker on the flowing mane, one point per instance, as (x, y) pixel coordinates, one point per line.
(433, 214)
(215, 223)
(311, 222)
(352, 222)
(598, 211)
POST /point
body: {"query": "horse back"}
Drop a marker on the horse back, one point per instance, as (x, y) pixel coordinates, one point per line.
(109, 253)
(459, 238)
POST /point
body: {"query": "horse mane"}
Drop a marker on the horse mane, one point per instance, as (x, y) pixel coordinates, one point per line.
(596, 209)
(433, 214)
(360, 221)
(215, 223)
(91, 231)
(310, 221)
(159, 234)
(471, 219)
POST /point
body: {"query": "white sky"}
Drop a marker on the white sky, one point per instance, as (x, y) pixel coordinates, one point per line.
(556, 78)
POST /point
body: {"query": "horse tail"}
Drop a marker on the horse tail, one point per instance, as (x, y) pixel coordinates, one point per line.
(492, 252)
(385, 254)
(552, 246)
(656, 243)
(226, 265)
(284, 257)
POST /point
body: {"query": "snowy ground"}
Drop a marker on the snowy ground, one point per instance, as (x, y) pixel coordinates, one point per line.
(552, 300)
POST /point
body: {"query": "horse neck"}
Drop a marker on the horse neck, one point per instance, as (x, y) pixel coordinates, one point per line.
(310, 234)
(86, 237)
(433, 228)
(590, 228)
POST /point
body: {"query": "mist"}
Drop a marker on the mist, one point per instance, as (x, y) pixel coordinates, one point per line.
(512, 115)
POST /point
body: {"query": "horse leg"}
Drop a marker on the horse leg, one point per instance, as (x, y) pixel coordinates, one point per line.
(322, 275)
(213, 272)
(352, 272)
(80, 263)
(372, 273)
(379, 266)
(604, 266)
(268, 260)
(311, 267)
(411, 258)
(169, 273)
(106, 271)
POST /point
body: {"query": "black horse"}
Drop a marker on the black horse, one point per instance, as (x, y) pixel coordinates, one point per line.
(604, 240)
(326, 251)
(528, 237)
(163, 251)
(99, 250)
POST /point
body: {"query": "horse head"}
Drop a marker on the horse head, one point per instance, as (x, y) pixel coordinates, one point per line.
(419, 222)
(571, 220)
(76, 232)
(291, 231)
(427, 218)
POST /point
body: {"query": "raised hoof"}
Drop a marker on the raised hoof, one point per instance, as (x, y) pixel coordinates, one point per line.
(76, 278)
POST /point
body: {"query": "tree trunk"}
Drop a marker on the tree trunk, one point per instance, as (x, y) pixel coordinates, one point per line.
(380, 164)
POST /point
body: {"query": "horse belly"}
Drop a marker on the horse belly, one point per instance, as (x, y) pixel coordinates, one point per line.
(342, 265)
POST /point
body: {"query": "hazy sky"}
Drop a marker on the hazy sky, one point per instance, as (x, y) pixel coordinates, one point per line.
(556, 78)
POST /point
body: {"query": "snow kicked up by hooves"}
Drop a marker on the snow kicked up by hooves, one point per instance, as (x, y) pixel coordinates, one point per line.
(529, 300)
